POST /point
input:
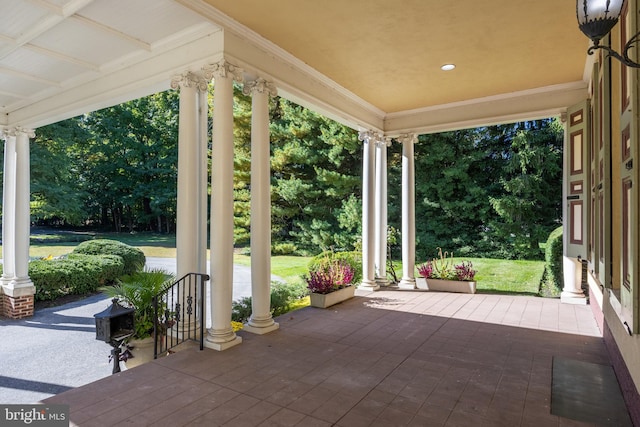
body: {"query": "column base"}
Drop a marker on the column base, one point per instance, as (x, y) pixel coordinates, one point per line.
(261, 327)
(18, 299)
(576, 298)
(368, 285)
(220, 344)
(407, 283)
(382, 281)
(17, 307)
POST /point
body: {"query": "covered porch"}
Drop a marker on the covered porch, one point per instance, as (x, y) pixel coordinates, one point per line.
(375, 68)
(383, 358)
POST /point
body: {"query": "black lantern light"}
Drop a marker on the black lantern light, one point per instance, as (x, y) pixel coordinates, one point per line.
(596, 18)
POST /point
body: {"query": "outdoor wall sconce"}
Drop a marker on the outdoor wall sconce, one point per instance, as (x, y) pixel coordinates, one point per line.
(596, 18)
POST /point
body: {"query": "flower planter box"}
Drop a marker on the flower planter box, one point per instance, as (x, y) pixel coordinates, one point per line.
(441, 285)
(335, 297)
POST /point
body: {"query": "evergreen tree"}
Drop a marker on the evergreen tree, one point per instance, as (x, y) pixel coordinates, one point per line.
(316, 184)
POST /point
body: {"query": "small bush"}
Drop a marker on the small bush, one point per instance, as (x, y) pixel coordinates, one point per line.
(283, 295)
(77, 275)
(552, 278)
(241, 309)
(283, 249)
(133, 258)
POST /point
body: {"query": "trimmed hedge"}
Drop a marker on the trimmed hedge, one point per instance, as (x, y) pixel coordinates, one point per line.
(552, 279)
(354, 259)
(133, 258)
(77, 274)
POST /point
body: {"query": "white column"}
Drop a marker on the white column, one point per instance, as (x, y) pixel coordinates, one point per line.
(23, 214)
(188, 213)
(381, 213)
(203, 181)
(221, 336)
(368, 211)
(408, 280)
(9, 207)
(260, 321)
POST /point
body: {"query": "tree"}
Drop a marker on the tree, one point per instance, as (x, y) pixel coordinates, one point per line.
(530, 206)
(132, 161)
(56, 190)
(316, 176)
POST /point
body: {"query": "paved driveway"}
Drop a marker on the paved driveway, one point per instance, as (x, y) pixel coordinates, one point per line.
(56, 350)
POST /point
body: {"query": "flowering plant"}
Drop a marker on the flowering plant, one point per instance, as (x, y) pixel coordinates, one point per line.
(329, 277)
(443, 267)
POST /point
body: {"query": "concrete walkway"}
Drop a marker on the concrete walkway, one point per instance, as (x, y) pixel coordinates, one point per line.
(56, 349)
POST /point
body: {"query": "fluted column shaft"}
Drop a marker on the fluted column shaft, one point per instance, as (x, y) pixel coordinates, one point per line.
(368, 211)
(221, 335)
(23, 207)
(381, 213)
(188, 216)
(408, 280)
(8, 209)
(260, 321)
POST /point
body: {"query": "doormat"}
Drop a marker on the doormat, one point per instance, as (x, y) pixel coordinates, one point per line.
(587, 392)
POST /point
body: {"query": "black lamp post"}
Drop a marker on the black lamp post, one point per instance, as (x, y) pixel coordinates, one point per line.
(596, 18)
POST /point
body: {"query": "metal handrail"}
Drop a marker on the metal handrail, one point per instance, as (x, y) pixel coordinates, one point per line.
(177, 310)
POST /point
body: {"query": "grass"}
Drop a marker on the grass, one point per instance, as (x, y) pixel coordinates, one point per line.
(494, 275)
(507, 276)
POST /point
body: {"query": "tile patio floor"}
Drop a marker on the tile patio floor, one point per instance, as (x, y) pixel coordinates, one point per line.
(387, 358)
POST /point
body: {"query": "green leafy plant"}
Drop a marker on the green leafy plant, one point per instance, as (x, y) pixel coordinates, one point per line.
(137, 291)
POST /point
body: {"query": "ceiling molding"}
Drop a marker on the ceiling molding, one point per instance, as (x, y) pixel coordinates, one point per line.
(506, 108)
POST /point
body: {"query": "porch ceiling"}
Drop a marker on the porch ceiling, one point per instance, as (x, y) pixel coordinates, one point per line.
(372, 63)
(389, 53)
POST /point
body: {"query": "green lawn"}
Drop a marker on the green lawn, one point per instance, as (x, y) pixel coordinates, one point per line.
(507, 276)
(494, 275)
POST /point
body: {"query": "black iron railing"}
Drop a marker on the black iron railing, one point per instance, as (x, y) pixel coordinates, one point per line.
(179, 313)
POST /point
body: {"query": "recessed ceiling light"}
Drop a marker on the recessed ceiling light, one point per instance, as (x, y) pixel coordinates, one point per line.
(448, 67)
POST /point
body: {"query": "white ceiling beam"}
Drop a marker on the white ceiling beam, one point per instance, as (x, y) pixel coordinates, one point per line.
(43, 25)
(62, 57)
(11, 94)
(122, 85)
(49, 6)
(110, 30)
(25, 76)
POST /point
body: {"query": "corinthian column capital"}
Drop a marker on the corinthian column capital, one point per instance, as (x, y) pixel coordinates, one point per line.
(7, 132)
(222, 69)
(408, 137)
(189, 79)
(259, 85)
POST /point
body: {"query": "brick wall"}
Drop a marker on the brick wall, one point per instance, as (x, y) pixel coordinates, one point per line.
(17, 308)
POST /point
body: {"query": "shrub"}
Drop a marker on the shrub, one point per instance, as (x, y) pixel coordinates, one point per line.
(133, 258)
(552, 279)
(283, 249)
(77, 275)
(282, 296)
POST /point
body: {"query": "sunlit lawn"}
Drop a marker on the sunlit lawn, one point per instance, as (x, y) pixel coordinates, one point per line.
(494, 275)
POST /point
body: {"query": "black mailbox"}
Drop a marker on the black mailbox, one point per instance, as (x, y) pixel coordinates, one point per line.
(115, 323)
